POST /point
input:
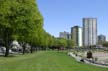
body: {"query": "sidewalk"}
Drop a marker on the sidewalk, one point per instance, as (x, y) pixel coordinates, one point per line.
(78, 58)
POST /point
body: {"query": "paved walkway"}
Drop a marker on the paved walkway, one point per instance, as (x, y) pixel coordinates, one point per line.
(78, 58)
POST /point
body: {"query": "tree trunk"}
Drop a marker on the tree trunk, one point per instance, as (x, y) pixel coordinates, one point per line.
(23, 49)
(7, 51)
(7, 41)
(31, 49)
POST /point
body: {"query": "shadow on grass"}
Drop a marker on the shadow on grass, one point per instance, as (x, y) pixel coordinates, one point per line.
(10, 55)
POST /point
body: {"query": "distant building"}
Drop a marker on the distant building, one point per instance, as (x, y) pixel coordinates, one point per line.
(101, 39)
(69, 36)
(76, 32)
(89, 31)
(64, 35)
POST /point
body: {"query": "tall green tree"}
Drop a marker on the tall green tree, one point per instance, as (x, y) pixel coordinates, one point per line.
(70, 43)
(19, 18)
(60, 42)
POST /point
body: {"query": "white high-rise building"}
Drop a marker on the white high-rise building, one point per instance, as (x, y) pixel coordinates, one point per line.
(76, 32)
(89, 31)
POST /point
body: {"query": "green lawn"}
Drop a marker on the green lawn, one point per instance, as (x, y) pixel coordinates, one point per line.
(45, 61)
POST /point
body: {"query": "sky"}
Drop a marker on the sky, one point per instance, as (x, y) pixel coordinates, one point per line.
(61, 15)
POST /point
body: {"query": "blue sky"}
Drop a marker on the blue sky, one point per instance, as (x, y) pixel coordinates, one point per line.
(61, 15)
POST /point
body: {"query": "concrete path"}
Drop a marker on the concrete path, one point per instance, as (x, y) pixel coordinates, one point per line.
(78, 58)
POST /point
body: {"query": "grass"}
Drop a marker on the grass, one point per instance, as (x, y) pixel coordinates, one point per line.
(45, 61)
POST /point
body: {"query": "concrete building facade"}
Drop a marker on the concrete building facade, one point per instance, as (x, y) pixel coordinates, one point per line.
(89, 31)
(76, 32)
